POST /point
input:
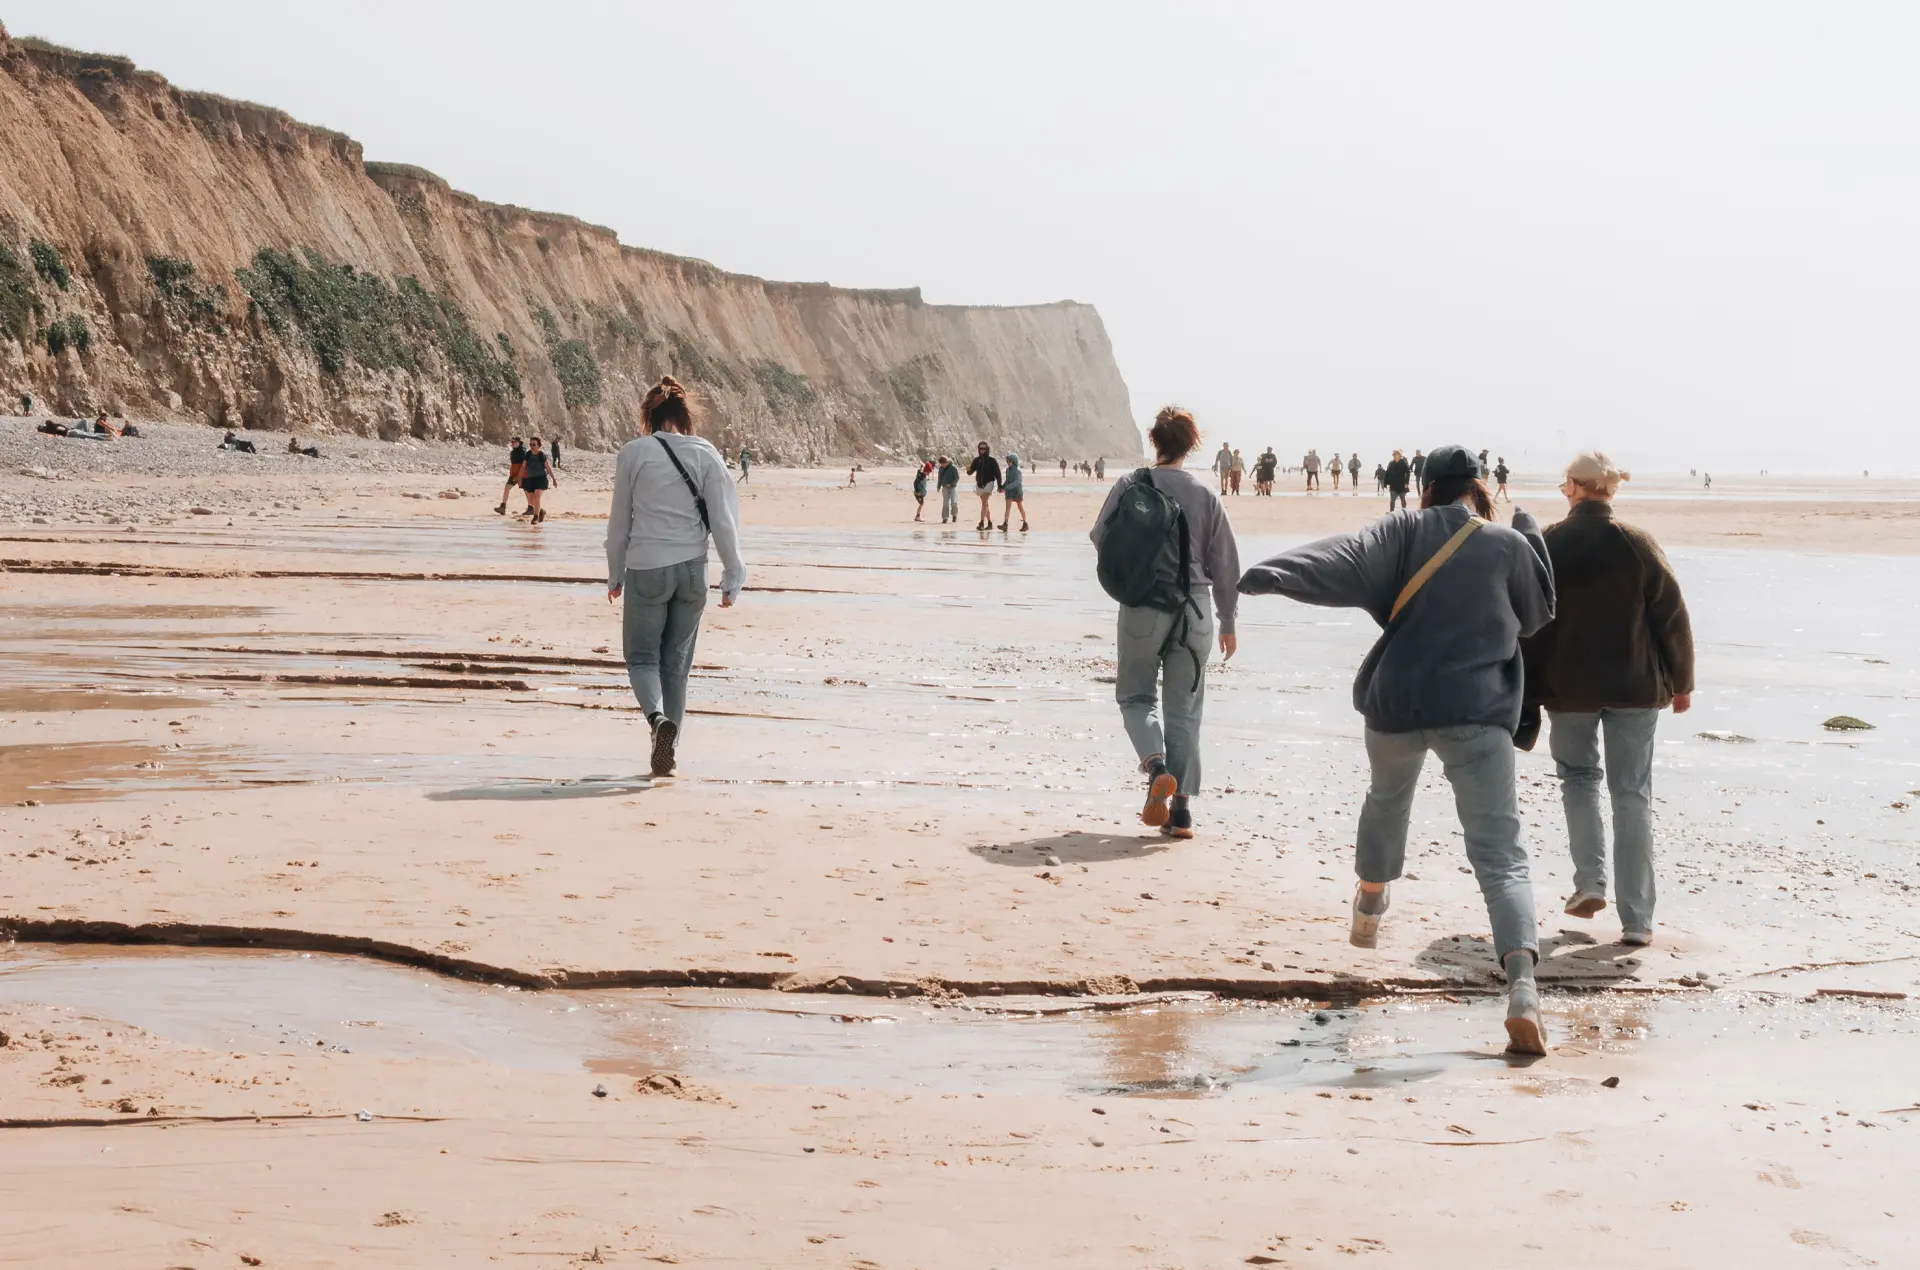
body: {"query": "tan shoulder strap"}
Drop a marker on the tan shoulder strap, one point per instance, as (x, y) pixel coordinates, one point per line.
(1432, 566)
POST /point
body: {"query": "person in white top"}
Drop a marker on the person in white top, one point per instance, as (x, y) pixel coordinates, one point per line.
(671, 492)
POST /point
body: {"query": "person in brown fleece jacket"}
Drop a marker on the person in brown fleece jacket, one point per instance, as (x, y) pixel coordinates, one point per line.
(1619, 651)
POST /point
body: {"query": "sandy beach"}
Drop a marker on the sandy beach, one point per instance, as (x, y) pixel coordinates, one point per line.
(337, 711)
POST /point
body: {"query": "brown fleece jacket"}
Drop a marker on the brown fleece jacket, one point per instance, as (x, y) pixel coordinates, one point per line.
(1620, 635)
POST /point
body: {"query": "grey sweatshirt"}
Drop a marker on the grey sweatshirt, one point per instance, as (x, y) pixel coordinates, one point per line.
(1214, 555)
(1454, 655)
(653, 521)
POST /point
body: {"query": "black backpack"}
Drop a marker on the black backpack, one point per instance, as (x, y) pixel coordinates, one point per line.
(1146, 528)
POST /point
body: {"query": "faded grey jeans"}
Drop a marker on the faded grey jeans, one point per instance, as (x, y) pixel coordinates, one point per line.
(658, 625)
(1575, 744)
(949, 503)
(1162, 699)
(1478, 762)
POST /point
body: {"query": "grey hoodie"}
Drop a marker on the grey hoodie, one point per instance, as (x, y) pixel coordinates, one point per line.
(1453, 657)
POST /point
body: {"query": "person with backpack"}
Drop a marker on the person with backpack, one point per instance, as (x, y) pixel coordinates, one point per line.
(1164, 542)
(671, 493)
(1454, 595)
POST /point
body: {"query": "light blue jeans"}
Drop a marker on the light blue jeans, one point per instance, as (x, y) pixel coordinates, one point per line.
(1478, 761)
(1575, 744)
(659, 621)
(949, 503)
(1162, 698)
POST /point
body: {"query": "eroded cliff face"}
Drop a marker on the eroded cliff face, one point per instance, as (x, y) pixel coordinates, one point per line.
(175, 254)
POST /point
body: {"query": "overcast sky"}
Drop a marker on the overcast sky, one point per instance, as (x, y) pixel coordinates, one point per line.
(1685, 232)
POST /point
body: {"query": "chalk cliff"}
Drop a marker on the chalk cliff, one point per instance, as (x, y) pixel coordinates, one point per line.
(177, 254)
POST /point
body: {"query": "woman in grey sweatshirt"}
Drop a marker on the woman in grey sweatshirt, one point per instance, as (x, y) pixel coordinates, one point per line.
(1446, 677)
(671, 492)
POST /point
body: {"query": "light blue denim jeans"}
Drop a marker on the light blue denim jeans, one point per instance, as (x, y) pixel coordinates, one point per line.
(949, 503)
(1575, 744)
(659, 621)
(1162, 698)
(1478, 762)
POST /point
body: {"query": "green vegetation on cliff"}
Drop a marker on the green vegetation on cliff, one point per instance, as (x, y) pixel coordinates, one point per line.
(175, 280)
(346, 316)
(783, 387)
(70, 331)
(689, 361)
(573, 363)
(47, 263)
(18, 305)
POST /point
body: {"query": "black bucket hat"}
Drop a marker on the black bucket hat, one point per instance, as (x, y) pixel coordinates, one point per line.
(1450, 460)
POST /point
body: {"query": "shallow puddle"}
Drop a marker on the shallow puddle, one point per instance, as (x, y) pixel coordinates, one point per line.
(1176, 1046)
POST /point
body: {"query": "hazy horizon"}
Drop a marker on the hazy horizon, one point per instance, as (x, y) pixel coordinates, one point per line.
(1682, 234)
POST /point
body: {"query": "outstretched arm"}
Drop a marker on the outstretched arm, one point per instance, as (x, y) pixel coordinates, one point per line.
(1345, 571)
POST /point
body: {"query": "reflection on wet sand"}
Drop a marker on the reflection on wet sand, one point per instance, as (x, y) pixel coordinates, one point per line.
(238, 999)
(1146, 1050)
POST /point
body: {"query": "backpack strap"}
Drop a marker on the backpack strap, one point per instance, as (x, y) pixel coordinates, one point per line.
(699, 503)
(1426, 571)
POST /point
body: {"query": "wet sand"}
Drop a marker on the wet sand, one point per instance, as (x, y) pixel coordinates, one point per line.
(398, 726)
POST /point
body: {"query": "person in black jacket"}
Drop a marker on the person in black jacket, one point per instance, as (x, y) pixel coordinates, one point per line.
(1619, 651)
(1445, 677)
(985, 471)
(1399, 471)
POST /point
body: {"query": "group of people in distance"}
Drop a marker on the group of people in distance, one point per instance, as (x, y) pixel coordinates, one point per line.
(990, 477)
(1482, 626)
(1393, 478)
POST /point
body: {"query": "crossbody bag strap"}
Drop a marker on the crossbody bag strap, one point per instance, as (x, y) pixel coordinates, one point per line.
(699, 503)
(1426, 571)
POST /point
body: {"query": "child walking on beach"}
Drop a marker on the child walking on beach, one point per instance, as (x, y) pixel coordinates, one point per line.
(920, 474)
(1164, 543)
(1013, 486)
(1453, 594)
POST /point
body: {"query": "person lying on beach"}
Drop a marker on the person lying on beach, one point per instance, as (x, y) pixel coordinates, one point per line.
(240, 444)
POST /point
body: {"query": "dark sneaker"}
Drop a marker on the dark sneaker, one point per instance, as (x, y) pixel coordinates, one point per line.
(665, 733)
(1161, 787)
(1179, 824)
